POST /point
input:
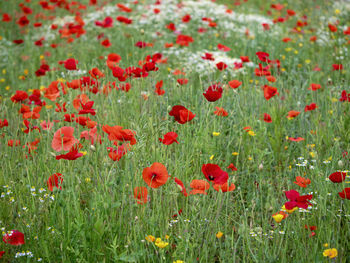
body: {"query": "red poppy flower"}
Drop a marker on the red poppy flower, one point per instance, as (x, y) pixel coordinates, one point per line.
(3, 123)
(224, 187)
(337, 177)
(23, 21)
(345, 194)
(6, 17)
(296, 139)
(199, 187)
(244, 58)
(124, 8)
(332, 28)
(124, 20)
(184, 40)
(213, 172)
(314, 86)
(234, 84)
(223, 48)
(63, 139)
(106, 23)
(181, 114)
(296, 200)
(263, 56)
(221, 66)
(182, 81)
(345, 96)
(169, 138)
(19, 96)
(213, 93)
(14, 237)
(310, 107)
(220, 112)
(186, 18)
(208, 56)
(267, 118)
(55, 180)
(72, 155)
(106, 43)
(117, 154)
(269, 92)
(52, 92)
(302, 182)
(181, 185)
(140, 194)
(2, 253)
(158, 89)
(119, 134)
(232, 167)
(292, 114)
(337, 67)
(171, 26)
(156, 175)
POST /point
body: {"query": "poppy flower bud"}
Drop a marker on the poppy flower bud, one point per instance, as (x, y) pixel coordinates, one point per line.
(261, 166)
(92, 148)
(340, 163)
(142, 31)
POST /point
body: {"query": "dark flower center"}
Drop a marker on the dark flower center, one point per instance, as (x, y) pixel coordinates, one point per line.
(154, 175)
(211, 178)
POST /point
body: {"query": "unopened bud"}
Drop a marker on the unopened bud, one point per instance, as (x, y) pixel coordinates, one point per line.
(340, 163)
(261, 166)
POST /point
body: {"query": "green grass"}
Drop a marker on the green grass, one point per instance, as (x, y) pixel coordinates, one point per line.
(95, 217)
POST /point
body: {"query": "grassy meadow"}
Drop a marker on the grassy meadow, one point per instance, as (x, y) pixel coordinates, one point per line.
(174, 131)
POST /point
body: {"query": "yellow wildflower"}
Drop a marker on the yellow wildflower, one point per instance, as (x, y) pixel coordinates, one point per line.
(216, 133)
(330, 252)
(161, 244)
(150, 238)
(219, 234)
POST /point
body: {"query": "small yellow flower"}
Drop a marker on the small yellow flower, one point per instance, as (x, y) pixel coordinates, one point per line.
(312, 154)
(296, 52)
(179, 261)
(211, 157)
(42, 87)
(330, 252)
(169, 69)
(330, 112)
(26, 71)
(88, 179)
(21, 77)
(300, 44)
(283, 69)
(256, 82)
(2, 80)
(167, 237)
(7, 87)
(325, 245)
(250, 158)
(219, 234)
(307, 61)
(251, 133)
(83, 152)
(235, 153)
(216, 133)
(150, 238)
(48, 106)
(161, 244)
(4, 71)
(250, 81)
(288, 49)
(283, 57)
(278, 218)
(337, 11)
